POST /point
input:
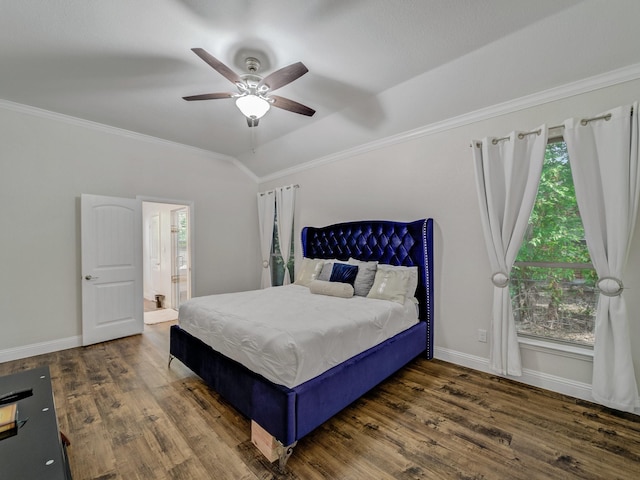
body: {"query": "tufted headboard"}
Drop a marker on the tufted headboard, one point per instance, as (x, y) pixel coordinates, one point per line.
(394, 243)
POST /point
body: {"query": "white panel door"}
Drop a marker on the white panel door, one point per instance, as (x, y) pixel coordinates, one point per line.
(111, 230)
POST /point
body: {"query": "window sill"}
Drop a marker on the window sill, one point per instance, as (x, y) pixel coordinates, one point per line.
(562, 349)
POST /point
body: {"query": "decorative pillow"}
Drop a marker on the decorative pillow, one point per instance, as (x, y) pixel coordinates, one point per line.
(413, 277)
(308, 271)
(335, 289)
(344, 273)
(390, 285)
(325, 274)
(366, 276)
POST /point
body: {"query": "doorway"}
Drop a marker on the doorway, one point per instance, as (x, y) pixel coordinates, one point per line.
(167, 258)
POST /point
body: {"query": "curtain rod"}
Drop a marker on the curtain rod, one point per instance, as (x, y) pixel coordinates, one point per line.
(262, 194)
(583, 122)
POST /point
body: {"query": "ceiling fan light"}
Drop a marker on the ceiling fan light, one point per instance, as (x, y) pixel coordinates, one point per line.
(252, 106)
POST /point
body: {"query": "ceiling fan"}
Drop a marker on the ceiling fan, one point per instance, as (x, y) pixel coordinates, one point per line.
(254, 97)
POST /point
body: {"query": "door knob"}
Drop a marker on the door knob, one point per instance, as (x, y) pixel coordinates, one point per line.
(89, 277)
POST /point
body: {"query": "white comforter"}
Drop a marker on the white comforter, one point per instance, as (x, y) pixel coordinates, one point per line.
(289, 335)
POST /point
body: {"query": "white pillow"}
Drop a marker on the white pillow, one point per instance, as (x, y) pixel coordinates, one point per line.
(308, 271)
(390, 285)
(413, 277)
(335, 289)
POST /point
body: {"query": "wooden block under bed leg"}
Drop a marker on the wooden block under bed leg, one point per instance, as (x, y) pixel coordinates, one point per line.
(265, 442)
(269, 446)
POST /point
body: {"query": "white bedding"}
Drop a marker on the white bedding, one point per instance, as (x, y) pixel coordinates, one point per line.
(289, 335)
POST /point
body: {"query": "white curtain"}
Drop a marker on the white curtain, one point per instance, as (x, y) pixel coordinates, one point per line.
(507, 176)
(266, 212)
(285, 204)
(604, 161)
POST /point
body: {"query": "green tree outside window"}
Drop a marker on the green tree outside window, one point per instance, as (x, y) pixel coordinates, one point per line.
(553, 282)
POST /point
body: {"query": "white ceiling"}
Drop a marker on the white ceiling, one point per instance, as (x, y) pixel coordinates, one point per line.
(377, 68)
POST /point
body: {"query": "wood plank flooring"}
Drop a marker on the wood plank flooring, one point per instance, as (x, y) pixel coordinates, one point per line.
(130, 417)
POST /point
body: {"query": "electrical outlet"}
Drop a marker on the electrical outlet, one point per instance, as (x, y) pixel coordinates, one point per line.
(482, 335)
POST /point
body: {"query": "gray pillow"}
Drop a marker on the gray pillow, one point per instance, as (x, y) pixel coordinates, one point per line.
(366, 276)
(325, 274)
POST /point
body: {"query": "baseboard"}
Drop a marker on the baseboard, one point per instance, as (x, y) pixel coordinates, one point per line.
(34, 349)
(534, 378)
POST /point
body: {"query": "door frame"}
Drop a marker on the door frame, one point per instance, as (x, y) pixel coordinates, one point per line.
(176, 288)
(190, 205)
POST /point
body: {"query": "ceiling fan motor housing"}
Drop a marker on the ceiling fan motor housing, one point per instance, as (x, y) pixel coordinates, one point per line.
(253, 64)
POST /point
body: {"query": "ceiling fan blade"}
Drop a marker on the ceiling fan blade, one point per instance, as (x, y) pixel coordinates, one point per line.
(282, 77)
(291, 105)
(217, 65)
(208, 96)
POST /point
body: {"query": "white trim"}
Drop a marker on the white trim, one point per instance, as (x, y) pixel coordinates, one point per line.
(621, 75)
(534, 378)
(79, 122)
(41, 348)
(555, 348)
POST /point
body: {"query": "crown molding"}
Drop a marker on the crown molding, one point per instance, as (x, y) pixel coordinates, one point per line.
(79, 122)
(614, 77)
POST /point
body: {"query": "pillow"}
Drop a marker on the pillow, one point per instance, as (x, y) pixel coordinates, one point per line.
(325, 274)
(344, 273)
(413, 277)
(365, 277)
(308, 271)
(390, 285)
(335, 289)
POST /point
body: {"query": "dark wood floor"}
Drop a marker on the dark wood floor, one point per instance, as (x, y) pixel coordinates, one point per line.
(130, 417)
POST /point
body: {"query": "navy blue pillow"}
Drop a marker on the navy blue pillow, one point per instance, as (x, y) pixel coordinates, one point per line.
(343, 273)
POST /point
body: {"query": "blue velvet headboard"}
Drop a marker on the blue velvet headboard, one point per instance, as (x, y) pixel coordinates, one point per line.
(395, 243)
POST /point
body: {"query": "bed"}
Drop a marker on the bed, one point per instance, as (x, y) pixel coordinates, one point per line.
(288, 413)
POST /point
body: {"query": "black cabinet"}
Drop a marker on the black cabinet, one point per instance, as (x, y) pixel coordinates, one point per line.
(36, 452)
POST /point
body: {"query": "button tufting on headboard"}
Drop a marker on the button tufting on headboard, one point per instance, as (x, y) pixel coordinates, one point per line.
(386, 242)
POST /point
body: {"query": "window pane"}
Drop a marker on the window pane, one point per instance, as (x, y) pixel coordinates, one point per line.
(277, 263)
(277, 270)
(556, 301)
(555, 232)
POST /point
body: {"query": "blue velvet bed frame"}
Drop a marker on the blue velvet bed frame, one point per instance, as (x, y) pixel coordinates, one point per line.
(290, 413)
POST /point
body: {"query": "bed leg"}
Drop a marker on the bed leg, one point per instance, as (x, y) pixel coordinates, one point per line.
(171, 357)
(283, 455)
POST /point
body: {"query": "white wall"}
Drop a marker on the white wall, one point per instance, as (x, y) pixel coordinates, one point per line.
(46, 163)
(432, 176)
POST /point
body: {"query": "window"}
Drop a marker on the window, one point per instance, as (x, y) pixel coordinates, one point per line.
(553, 281)
(277, 263)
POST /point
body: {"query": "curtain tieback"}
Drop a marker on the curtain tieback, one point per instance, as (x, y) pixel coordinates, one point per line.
(500, 279)
(610, 286)
(265, 264)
